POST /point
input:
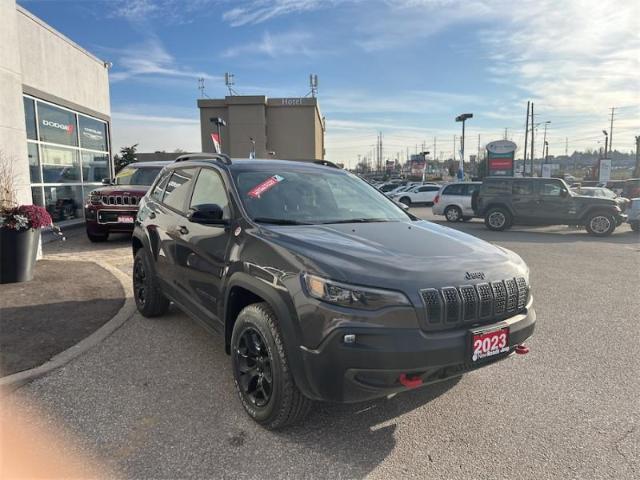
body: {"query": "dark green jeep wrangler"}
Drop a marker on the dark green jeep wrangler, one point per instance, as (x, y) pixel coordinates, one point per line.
(507, 201)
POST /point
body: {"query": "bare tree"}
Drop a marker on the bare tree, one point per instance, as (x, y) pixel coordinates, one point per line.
(8, 193)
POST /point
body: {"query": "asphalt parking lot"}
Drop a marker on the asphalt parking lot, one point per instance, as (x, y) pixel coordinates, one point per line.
(156, 399)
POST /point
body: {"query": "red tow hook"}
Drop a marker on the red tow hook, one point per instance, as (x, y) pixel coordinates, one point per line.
(410, 382)
(522, 350)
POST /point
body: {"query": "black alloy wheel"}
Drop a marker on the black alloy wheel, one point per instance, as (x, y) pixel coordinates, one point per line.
(253, 367)
(139, 283)
(149, 298)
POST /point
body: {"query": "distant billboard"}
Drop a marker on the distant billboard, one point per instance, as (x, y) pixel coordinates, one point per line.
(500, 157)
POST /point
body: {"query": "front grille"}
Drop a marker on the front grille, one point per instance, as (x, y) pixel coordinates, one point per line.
(119, 200)
(473, 303)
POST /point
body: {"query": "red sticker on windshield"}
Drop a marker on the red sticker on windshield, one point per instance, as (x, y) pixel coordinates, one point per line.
(269, 183)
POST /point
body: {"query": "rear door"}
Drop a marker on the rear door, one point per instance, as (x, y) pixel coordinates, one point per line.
(465, 200)
(525, 200)
(202, 250)
(425, 194)
(172, 222)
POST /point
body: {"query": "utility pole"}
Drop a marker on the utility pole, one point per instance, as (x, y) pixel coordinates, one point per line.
(637, 170)
(532, 133)
(505, 133)
(526, 135)
(613, 109)
(434, 151)
(544, 139)
(566, 146)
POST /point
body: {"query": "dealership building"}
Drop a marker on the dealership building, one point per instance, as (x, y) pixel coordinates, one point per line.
(284, 128)
(54, 115)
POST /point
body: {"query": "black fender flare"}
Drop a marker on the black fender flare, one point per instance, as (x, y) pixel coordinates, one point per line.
(287, 321)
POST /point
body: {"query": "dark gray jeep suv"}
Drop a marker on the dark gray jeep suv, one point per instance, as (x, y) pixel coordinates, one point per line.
(321, 287)
(507, 201)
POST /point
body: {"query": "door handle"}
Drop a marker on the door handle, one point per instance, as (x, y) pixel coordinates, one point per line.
(183, 230)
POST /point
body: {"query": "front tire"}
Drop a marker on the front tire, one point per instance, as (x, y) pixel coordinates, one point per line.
(406, 201)
(601, 224)
(261, 371)
(498, 219)
(146, 288)
(453, 214)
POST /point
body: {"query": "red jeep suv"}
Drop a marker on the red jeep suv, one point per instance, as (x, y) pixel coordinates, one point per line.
(113, 208)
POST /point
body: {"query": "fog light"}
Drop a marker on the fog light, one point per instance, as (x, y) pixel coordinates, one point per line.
(350, 338)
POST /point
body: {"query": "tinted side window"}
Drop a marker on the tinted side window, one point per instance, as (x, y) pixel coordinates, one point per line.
(429, 189)
(497, 187)
(457, 189)
(522, 187)
(550, 189)
(158, 191)
(209, 188)
(471, 187)
(177, 189)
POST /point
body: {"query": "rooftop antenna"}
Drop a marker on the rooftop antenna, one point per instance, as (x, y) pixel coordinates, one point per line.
(313, 83)
(229, 81)
(201, 88)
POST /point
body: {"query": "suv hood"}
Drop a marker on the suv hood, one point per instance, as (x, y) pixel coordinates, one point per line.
(135, 190)
(586, 200)
(397, 255)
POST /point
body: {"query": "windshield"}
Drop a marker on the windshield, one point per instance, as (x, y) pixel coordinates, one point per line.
(296, 196)
(137, 175)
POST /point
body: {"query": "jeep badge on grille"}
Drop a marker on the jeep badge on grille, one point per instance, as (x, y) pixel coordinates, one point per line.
(474, 276)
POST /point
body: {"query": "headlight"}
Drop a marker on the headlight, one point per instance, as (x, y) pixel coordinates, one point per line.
(95, 197)
(351, 295)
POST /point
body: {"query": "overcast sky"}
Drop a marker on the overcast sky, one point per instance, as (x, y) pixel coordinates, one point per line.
(403, 67)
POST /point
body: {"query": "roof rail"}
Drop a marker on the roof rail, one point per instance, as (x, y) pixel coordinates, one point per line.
(222, 157)
(326, 163)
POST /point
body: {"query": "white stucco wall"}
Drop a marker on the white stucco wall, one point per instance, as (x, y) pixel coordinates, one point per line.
(52, 63)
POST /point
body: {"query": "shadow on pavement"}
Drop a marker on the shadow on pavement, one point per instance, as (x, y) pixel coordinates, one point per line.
(557, 234)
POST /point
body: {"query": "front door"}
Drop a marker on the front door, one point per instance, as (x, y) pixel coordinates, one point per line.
(555, 205)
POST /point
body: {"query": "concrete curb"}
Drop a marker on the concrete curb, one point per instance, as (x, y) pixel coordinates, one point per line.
(16, 380)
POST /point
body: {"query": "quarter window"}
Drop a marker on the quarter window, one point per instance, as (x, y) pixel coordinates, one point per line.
(158, 191)
(175, 194)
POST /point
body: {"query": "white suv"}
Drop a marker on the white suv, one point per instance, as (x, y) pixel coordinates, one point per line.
(454, 201)
(417, 194)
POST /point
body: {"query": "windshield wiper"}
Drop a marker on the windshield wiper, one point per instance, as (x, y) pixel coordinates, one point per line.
(279, 221)
(358, 220)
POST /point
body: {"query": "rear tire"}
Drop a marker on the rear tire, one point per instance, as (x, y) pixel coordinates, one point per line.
(149, 298)
(261, 371)
(406, 201)
(453, 214)
(498, 219)
(97, 238)
(601, 224)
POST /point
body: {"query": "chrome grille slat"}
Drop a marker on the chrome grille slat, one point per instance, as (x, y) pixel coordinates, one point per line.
(119, 200)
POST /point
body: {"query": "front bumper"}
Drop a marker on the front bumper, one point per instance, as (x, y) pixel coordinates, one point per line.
(621, 218)
(104, 219)
(371, 367)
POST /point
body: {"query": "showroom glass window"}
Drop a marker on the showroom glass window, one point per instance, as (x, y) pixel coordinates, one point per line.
(68, 157)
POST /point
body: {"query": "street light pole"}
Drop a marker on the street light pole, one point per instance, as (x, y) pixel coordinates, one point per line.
(462, 118)
(544, 139)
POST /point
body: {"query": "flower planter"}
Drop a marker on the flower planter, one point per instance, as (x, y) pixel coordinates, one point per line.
(18, 251)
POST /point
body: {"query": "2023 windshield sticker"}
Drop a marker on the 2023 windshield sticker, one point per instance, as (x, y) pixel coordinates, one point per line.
(268, 184)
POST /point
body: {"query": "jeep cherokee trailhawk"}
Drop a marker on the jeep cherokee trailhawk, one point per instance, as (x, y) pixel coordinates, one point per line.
(321, 287)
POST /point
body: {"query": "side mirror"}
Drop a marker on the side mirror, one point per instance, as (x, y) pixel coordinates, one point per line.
(207, 214)
(106, 181)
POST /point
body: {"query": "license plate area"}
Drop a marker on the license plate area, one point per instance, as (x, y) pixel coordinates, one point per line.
(125, 219)
(488, 343)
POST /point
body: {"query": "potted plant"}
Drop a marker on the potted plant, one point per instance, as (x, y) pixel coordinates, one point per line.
(20, 227)
(19, 240)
